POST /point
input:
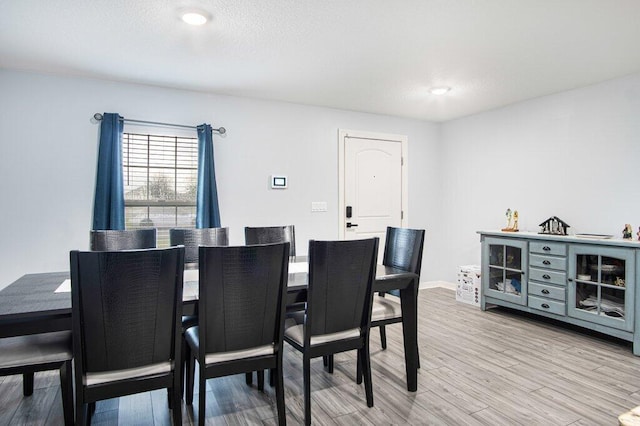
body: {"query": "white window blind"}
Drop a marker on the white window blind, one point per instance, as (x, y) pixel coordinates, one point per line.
(160, 177)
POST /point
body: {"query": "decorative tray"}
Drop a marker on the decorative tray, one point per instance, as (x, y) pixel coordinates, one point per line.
(595, 236)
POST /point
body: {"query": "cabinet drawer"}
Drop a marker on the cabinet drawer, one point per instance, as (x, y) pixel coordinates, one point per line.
(541, 261)
(550, 291)
(557, 249)
(547, 305)
(547, 276)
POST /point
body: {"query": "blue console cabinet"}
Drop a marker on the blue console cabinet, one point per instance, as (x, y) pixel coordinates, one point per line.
(589, 282)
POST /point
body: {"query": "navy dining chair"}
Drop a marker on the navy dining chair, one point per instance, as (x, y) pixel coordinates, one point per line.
(270, 235)
(403, 250)
(192, 239)
(126, 308)
(102, 240)
(241, 312)
(337, 317)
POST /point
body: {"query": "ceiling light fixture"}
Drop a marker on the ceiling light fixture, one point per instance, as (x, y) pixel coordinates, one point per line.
(439, 90)
(195, 18)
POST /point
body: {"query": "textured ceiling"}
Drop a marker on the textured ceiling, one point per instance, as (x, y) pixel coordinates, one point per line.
(375, 56)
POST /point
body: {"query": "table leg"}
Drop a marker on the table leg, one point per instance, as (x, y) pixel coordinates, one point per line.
(409, 301)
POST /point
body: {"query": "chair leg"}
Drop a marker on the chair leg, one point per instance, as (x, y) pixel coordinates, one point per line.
(177, 397)
(383, 337)
(327, 361)
(189, 381)
(202, 400)
(170, 392)
(260, 374)
(27, 384)
(276, 373)
(306, 368)
(359, 368)
(177, 412)
(366, 370)
(66, 390)
(272, 377)
(248, 378)
(183, 366)
(81, 412)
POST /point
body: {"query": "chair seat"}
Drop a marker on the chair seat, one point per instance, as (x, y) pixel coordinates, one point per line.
(191, 336)
(295, 332)
(35, 349)
(385, 308)
(98, 378)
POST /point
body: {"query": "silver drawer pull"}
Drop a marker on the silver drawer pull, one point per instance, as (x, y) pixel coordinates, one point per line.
(546, 262)
(545, 291)
(544, 305)
(546, 277)
(546, 248)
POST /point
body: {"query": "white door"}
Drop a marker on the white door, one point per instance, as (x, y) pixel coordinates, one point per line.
(372, 184)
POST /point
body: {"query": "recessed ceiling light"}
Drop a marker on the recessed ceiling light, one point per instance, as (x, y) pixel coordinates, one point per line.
(195, 17)
(439, 90)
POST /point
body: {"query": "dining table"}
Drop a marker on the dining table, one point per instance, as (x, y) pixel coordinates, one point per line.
(41, 302)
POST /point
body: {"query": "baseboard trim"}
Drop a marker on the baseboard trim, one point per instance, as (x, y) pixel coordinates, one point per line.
(432, 284)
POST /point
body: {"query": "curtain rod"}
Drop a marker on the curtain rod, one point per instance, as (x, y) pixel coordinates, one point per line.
(220, 130)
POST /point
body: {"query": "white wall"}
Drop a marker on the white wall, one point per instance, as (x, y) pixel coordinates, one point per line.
(575, 155)
(48, 148)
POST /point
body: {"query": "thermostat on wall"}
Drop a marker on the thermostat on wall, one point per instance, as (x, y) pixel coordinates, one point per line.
(278, 182)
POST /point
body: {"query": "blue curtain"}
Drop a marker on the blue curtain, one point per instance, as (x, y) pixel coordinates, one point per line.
(108, 208)
(207, 210)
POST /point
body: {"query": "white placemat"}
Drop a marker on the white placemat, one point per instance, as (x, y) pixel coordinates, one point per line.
(297, 267)
(191, 275)
(65, 287)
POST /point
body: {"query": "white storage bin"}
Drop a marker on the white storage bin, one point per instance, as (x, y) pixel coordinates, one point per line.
(468, 288)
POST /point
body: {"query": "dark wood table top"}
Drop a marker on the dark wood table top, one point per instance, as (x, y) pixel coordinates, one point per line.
(34, 294)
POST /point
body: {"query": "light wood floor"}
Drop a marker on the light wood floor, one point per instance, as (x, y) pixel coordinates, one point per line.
(478, 368)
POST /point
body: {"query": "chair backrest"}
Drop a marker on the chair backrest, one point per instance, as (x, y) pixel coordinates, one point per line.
(130, 239)
(192, 238)
(270, 235)
(126, 307)
(242, 296)
(341, 275)
(403, 249)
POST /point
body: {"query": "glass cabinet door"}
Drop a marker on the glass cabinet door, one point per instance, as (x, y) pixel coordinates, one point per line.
(601, 285)
(505, 262)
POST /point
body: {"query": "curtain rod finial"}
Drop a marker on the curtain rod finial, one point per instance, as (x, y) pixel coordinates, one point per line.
(97, 116)
(221, 130)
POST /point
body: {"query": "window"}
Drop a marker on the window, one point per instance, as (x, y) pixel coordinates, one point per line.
(160, 178)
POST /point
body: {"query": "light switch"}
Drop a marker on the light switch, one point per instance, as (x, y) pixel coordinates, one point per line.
(318, 206)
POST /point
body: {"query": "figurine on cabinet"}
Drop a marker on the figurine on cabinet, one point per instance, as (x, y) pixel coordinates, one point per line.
(638, 234)
(627, 232)
(554, 225)
(511, 216)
